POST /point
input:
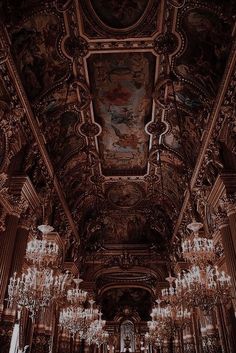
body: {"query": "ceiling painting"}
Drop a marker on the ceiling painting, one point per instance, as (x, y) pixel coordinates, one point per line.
(104, 19)
(122, 86)
(207, 48)
(35, 47)
(119, 14)
(117, 299)
(125, 195)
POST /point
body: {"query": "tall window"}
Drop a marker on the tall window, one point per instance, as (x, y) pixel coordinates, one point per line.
(127, 338)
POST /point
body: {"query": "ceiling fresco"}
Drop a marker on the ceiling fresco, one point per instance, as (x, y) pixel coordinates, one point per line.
(122, 86)
(35, 47)
(102, 19)
(208, 38)
(116, 300)
(121, 92)
(120, 14)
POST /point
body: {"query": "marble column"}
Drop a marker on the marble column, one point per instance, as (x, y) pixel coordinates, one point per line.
(7, 242)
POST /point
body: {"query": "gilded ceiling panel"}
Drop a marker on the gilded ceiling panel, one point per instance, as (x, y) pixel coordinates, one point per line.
(122, 86)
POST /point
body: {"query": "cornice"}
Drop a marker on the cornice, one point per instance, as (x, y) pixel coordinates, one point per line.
(22, 185)
(224, 183)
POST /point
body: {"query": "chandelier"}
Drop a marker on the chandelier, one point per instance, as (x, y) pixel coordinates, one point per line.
(39, 285)
(202, 285)
(198, 250)
(96, 333)
(42, 251)
(161, 324)
(76, 296)
(36, 288)
(72, 320)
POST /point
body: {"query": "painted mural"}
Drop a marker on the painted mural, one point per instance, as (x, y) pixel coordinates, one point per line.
(122, 86)
(38, 61)
(119, 14)
(117, 299)
(125, 195)
(62, 139)
(208, 47)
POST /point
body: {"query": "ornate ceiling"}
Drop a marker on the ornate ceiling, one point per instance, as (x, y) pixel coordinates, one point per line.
(99, 78)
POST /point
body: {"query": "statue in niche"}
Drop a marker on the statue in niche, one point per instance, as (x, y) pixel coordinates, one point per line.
(127, 339)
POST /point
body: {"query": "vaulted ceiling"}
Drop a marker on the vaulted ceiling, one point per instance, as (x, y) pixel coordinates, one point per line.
(112, 86)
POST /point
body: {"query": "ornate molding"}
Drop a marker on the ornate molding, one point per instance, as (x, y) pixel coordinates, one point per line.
(215, 123)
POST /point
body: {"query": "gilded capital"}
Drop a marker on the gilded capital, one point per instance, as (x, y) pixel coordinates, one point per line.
(221, 219)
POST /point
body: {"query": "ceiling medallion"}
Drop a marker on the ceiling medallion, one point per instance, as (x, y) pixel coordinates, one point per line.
(158, 128)
(166, 43)
(76, 47)
(89, 129)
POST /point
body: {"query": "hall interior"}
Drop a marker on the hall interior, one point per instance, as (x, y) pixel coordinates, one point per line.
(117, 176)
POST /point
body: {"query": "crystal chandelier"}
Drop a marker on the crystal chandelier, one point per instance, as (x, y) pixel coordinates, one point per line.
(96, 333)
(42, 252)
(198, 250)
(36, 288)
(39, 285)
(161, 324)
(72, 320)
(202, 285)
(76, 296)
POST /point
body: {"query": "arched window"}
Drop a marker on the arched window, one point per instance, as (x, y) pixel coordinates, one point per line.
(127, 339)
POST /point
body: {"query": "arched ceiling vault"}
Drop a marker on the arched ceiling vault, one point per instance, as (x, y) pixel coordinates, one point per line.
(99, 77)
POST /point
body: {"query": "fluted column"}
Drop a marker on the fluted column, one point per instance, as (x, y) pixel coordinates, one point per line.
(7, 242)
(230, 255)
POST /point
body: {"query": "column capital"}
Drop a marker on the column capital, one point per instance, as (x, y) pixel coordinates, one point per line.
(228, 203)
(222, 219)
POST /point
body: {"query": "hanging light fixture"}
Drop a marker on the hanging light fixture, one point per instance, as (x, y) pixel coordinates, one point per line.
(36, 288)
(40, 284)
(76, 296)
(42, 252)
